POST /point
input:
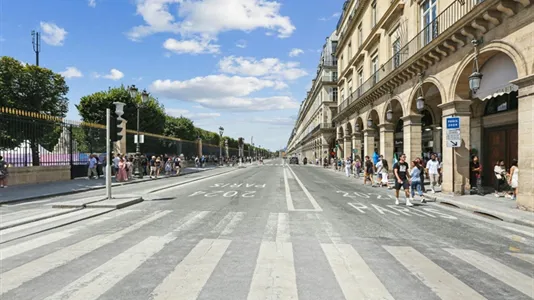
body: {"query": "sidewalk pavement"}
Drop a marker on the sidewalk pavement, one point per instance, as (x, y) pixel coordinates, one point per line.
(502, 208)
(26, 192)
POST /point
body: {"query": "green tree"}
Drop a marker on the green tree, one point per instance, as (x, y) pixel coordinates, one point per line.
(181, 127)
(152, 117)
(33, 89)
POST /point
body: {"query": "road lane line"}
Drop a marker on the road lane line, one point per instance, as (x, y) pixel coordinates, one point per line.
(306, 192)
(24, 273)
(236, 219)
(283, 234)
(274, 276)
(356, 279)
(497, 270)
(95, 283)
(445, 285)
(523, 256)
(289, 200)
(191, 274)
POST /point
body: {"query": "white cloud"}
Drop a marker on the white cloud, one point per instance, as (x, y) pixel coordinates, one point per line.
(71, 72)
(241, 44)
(271, 68)
(222, 91)
(175, 112)
(2, 39)
(280, 121)
(114, 74)
(208, 18)
(295, 52)
(190, 46)
(52, 34)
(92, 3)
(333, 16)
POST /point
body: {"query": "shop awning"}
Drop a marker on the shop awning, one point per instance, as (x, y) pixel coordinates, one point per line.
(497, 73)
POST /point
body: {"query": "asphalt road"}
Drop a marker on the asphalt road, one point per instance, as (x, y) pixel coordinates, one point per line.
(271, 232)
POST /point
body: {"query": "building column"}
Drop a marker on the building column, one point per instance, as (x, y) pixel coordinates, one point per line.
(436, 138)
(387, 141)
(525, 196)
(339, 150)
(456, 161)
(357, 145)
(369, 142)
(348, 147)
(413, 137)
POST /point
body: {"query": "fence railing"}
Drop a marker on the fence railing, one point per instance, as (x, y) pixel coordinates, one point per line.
(33, 139)
(444, 21)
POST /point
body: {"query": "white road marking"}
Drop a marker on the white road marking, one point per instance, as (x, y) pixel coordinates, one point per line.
(31, 202)
(332, 234)
(526, 257)
(19, 219)
(18, 276)
(283, 234)
(192, 273)
(95, 283)
(189, 221)
(307, 193)
(274, 276)
(270, 227)
(29, 245)
(289, 200)
(445, 285)
(527, 233)
(223, 222)
(236, 219)
(513, 278)
(356, 279)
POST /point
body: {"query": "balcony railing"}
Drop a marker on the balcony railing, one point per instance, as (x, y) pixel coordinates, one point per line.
(327, 78)
(329, 62)
(452, 14)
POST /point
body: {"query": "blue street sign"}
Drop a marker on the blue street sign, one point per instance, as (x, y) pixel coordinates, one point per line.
(453, 122)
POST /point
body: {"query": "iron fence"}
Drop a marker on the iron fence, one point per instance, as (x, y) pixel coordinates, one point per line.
(34, 139)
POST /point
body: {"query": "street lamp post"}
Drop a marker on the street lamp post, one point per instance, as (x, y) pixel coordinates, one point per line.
(221, 131)
(226, 148)
(137, 160)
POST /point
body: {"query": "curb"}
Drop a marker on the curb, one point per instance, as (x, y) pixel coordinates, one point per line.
(59, 213)
(476, 209)
(72, 192)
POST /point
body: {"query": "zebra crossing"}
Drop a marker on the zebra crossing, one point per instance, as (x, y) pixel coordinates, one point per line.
(184, 260)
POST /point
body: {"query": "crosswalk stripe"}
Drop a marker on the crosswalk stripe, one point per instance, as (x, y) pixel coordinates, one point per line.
(356, 279)
(95, 283)
(19, 213)
(45, 215)
(29, 245)
(282, 228)
(31, 202)
(43, 222)
(223, 222)
(236, 219)
(191, 274)
(511, 277)
(523, 256)
(32, 244)
(189, 221)
(274, 276)
(446, 286)
(18, 276)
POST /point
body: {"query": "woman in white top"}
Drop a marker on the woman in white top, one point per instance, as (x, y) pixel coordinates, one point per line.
(500, 173)
(348, 165)
(514, 178)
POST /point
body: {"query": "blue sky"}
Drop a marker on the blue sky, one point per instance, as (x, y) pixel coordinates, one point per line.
(242, 64)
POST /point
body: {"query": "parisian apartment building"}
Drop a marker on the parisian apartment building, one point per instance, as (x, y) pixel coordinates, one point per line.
(449, 77)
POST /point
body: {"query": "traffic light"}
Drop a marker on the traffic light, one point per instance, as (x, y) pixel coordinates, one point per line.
(115, 127)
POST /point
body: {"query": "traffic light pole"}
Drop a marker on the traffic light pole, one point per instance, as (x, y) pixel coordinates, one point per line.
(108, 151)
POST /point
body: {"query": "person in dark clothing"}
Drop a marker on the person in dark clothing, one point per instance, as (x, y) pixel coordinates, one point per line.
(400, 171)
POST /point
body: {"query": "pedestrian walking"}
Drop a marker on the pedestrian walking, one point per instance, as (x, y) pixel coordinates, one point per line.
(3, 172)
(432, 169)
(400, 170)
(347, 167)
(368, 171)
(415, 181)
(514, 178)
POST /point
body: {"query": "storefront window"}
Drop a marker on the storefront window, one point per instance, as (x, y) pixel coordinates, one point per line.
(501, 104)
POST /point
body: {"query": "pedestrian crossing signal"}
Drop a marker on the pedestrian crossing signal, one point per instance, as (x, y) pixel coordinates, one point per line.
(116, 126)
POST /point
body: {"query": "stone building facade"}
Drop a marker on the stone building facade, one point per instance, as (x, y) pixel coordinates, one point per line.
(405, 66)
(313, 136)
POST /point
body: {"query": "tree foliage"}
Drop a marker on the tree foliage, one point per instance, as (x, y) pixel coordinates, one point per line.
(34, 89)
